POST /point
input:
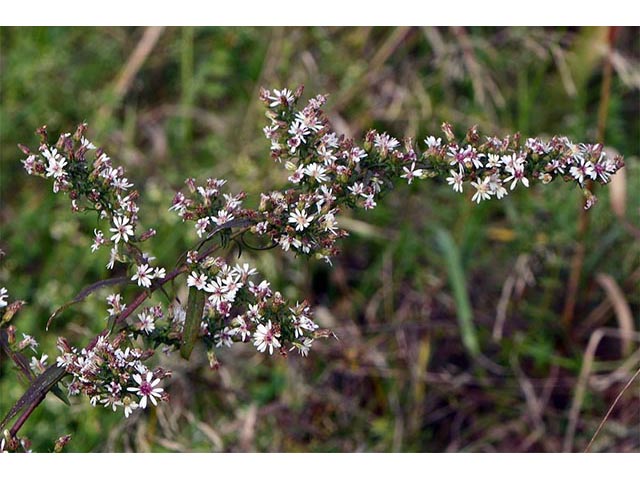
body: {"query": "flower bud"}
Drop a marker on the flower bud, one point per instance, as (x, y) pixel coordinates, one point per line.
(447, 129)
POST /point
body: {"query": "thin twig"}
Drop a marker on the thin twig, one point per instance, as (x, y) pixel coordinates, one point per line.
(606, 417)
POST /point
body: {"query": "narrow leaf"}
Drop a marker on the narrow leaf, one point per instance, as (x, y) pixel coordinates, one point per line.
(195, 305)
(458, 285)
(37, 391)
(84, 293)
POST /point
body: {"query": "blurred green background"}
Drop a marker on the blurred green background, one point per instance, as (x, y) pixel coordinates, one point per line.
(449, 316)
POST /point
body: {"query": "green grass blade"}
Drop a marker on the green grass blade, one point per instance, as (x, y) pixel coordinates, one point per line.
(458, 284)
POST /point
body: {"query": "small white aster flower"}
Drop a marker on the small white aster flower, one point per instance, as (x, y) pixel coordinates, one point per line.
(432, 142)
(223, 217)
(357, 188)
(201, 226)
(98, 240)
(369, 202)
(583, 170)
(266, 337)
(483, 191)
(143, 275)
(146, 389)
(224, 337)
(317, 172)
(198, 281)
(87, 144)
(410, 173)
(147, 322)
(456, 180)
(122, 228)
(112, 258)
(516, 173)
(300, 219)
(281, 97)
(385, 143)
(129, 406)
(496, 187)
(302, 346)
(39, 366)
(55, 168)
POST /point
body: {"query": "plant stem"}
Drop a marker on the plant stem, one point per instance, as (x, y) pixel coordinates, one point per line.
(58, 373)
(583, 219)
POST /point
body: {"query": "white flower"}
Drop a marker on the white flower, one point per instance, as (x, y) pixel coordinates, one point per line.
(159, 272)
(299, 130)
(122, 228)
(432, 142)
(456, 180)
(198, 281)
(281, 97)
(369, 202)
(517, 173)
(201, 226)
(144, 275)
(317, 172)
(29, 164)
(145, 389)
(56, 164)
(493, 160)
(121, 183)
(582, 170)
(224, 337)
(483, 191)
(303, 346)
(495, 186)
(300, 219)
(241, 328)
(112, 258)
(265, 336)
(129, 406)
(223, 217)
(147, 322)
(357, 189)
(87, 144)
(98, 241)
(38, 366)
(3, 297)
(385, 143)
(329, 222)
(28, 341)
(115, 302)
(244, 271)
(410, 173)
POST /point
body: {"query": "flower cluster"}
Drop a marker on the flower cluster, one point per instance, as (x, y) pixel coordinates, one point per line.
(112, 376)
(239, 310)
(209, 207)
(93, 183)
(495, 164)
(326, 173)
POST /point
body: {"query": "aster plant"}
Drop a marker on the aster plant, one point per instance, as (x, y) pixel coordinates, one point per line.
(231, 303)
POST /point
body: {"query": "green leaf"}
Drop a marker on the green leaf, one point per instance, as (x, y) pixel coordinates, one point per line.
(195, 305)
(458, 285)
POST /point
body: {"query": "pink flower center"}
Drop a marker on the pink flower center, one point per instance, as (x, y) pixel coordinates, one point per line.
(146, 388)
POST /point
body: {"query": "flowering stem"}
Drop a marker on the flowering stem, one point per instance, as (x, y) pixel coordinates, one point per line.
(50, 378)
(583, 218)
